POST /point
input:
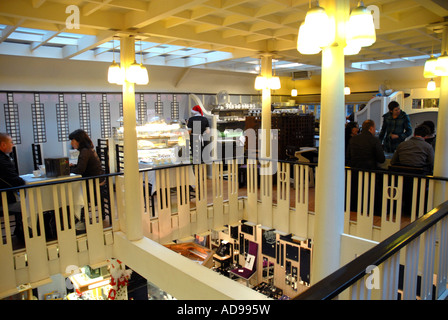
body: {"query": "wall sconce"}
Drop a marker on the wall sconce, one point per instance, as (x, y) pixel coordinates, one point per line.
(431, 85)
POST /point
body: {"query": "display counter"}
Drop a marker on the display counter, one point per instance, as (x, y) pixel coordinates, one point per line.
(158, 143)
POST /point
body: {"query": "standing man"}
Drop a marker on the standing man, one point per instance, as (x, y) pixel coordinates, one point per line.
(198, 126)
(396, 127)
(365, 149)
(9, 178)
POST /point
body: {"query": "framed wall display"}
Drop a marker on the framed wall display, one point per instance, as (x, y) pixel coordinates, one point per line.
(425, 103)
(268, 243)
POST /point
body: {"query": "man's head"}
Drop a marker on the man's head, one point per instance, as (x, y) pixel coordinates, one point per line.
(6, 143)
(394, 108)
(421, 131)
(369, 125)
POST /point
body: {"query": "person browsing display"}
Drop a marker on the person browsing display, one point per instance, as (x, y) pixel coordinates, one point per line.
(396, 127)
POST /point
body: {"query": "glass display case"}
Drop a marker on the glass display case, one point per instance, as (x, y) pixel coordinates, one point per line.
(159, 143)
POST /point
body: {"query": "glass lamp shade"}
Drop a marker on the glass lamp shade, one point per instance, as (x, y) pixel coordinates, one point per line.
(431, 85)
(294, 93)
(430, 67)
(351, 49)
(260, 83)
(114, 73)
(360, 29)
(319, 25)
(143, 76)
(274, 83)
(442, 65)
(347, 91)
(305, 44)
(133, 72)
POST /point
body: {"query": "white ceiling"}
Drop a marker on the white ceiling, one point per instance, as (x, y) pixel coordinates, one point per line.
(212, 34)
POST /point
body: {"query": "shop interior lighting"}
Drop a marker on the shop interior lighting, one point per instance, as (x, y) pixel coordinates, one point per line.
(316, 32)
(431, 85)
(360, 28)
(114, 74)
(347, 91)
(442, 65)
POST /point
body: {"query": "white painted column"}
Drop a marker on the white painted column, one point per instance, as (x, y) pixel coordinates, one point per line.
(266, 71)
(441, 151)
(132, 195)
(330, 182)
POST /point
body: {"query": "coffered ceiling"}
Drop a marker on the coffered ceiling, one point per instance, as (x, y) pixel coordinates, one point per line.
(214, 34)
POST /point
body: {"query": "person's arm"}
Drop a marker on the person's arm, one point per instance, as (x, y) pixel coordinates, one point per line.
(383, 131)
(430, 159)
(407, 128)
(9, 173)
(83, 159)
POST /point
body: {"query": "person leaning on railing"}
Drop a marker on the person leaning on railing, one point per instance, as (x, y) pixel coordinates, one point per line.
(9, 178)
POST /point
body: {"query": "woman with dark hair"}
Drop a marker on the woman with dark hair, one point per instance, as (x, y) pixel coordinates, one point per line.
(89, 163)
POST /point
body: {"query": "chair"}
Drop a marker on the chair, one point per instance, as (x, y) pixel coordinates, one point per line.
(250, 268)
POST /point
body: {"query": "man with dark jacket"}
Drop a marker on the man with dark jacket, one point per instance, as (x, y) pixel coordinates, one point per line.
(365, 149)
(415, 152)
(396, 127)
(10, 178)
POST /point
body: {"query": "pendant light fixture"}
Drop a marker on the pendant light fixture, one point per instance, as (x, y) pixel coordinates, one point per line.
(347, 91)
(442, 65)
(294, 91)
(431, 85)
(274, 81)
(260, 81)
(143, 76)
(114, 74)
(360, 29)
(305, 45)
(430, 67)
(316, 32)
(429, 70)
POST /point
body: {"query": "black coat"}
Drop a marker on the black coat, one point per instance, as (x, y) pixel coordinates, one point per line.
(8, 176)
(365, 151)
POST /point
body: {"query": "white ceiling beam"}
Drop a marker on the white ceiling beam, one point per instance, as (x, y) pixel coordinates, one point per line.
(87, 43)
(47, 37)
(158, 10)
(438, 7)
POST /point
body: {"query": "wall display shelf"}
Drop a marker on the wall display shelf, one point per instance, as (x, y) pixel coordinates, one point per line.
(159, 143)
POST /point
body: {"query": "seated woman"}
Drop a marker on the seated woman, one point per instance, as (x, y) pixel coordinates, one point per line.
(88, 164)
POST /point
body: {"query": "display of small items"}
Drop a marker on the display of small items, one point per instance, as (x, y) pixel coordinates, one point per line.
(269, 290)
